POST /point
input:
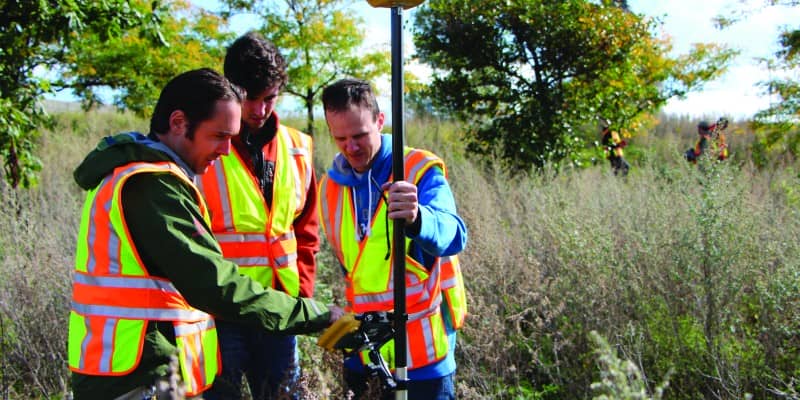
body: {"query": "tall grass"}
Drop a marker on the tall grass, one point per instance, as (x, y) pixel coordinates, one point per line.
(690, 273)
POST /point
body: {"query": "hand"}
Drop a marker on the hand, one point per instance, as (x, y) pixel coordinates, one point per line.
(336, 312)
(403, 201)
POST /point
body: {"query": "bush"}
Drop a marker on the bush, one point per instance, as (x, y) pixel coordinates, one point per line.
(689, 272)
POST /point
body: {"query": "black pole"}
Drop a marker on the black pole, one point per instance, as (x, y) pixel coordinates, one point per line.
(398, 236)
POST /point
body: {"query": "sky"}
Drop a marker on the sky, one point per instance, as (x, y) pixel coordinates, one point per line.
(756, 36)
(734, 95)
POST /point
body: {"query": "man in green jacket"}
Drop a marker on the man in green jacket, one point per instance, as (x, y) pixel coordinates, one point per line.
(149, 276)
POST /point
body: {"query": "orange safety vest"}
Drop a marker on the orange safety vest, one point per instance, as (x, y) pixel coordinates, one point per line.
(114, 296)
(369, 283)
(716, 144)
(259, 239)
(611, 145)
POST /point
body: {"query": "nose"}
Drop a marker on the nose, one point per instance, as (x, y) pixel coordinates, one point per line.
(224, 147)
(351, 146)
(258, 109)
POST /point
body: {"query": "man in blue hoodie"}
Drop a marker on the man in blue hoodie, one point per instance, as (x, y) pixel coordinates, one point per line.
(358, 198)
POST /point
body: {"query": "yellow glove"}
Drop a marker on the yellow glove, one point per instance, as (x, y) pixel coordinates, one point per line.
(345, 325)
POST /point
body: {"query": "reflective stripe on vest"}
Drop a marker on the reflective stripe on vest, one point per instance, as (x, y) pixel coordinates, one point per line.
(114, 296)
(369, 283)
(426, 329)
(241, 221)
(453, 291)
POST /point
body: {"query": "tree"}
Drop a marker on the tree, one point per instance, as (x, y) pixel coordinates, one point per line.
(135, 67)
(777, 125)
(529, 74)
(320, 40)
(33, 38)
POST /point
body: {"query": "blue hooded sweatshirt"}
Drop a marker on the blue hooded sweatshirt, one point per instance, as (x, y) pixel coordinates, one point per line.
(437, 232)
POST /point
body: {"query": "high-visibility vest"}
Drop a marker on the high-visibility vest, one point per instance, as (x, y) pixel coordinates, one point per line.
(369, 283)
(611, 145)
(717, 145)
(261, 240)
(114, 296)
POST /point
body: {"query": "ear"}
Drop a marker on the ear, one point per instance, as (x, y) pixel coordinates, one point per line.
(381, 120)
(177, 122)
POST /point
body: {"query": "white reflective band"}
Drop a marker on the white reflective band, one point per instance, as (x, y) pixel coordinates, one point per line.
(386, 296)
(240, 237)
(286, 260)
(449, 283)
(184, 329)
(123, 282)
(158, 314)
(424, 313)
(298, 151)
(249, 261)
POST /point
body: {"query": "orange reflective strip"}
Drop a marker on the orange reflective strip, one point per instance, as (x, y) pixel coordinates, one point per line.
(99, 232)
(127, 297)
(215, 187)
(93, 347)
(193, 356)
(417, 344)
(331, 218)
(254, 250)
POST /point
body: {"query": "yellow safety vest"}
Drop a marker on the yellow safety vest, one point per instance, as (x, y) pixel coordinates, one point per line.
(261, 240)
(369, 277)
(114, 296)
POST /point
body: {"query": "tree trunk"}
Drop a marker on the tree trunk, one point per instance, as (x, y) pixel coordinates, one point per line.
(309, 99)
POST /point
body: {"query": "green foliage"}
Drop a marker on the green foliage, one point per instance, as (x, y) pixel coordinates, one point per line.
(34, 36)
(528, 74)
(689, 273)
(135, 65)
(619, 379)
(321, 42)
(778, 124)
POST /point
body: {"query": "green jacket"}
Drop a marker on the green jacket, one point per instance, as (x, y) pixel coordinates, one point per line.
(159, 210)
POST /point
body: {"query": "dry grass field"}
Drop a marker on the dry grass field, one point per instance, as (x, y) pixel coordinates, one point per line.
(581, 284)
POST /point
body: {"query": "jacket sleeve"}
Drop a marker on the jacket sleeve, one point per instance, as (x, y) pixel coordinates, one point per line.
(306, 230)
(441, 231)
(173, 241)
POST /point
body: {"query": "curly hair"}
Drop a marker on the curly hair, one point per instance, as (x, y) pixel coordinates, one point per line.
(255, 64)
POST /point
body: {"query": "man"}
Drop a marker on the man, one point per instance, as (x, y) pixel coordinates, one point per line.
(149, 275)
(263, 205)
(358, 199)
(613, 145)
(709, 135)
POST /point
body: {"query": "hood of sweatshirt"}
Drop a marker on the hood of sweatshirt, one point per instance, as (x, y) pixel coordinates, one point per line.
(118, 150)
(342, 173)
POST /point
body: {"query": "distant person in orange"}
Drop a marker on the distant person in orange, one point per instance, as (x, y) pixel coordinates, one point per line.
(710, 135)
(612, 146)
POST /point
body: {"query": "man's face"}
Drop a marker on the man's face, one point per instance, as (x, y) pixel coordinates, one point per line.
(212, 137)
(357, 135)
(257, 107)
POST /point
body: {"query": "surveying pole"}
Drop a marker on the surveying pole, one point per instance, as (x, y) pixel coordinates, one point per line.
(398, 236)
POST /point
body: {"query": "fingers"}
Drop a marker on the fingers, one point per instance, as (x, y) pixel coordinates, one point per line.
(403, 201)
(336, 312)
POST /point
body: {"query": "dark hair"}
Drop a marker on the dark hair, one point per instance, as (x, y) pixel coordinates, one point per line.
(255, 64)
(195, 93)
(344, 93)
